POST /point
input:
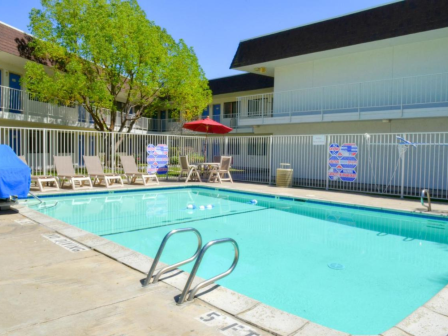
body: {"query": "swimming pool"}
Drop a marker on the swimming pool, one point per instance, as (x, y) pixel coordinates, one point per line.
(353, 269)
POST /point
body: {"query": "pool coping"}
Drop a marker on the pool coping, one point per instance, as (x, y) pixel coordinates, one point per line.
(425, 318)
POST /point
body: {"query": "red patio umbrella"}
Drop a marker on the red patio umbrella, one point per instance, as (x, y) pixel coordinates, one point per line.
(207, 126)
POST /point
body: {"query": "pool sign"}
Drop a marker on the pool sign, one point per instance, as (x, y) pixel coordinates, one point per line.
(349, 149)
(348, 162)
(157, 159)
(334, 149)
(342, 162)
(333, 174)
(347, 175)
(333, 161)
(319, 140)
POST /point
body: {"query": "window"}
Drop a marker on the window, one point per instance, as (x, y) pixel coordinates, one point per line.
(233, 147)
(259, 107)
(257, 147)
(231, 110)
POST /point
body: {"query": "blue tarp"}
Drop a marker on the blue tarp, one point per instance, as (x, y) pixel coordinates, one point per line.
(15, 176)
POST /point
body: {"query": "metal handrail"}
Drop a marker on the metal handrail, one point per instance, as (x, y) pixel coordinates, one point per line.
(41, 203)
(425, 192)
(147, 281)
(209, 281)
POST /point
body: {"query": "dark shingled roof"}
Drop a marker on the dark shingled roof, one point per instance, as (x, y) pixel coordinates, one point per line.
(244, 82)
(392, 20)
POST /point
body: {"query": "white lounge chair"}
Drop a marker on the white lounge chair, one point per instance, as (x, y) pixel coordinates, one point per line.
(95, 171)
(66, 172)
(40, 180)
(131, 171)
(222, 170)
(187, 168)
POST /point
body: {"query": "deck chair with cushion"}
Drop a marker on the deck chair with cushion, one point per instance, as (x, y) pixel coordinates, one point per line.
(95, 171)
(131, 171)
(190, 170)
(222, 170)
(66, 172)
(43, 182)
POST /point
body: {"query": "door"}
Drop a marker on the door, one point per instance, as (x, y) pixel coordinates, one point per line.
(15, 94)
(205, 113)
(217, 112)
(162, 126)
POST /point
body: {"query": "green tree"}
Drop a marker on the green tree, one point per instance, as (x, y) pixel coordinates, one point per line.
(107, 56)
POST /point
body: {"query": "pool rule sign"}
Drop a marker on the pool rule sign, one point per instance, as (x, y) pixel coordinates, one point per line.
(157, 159)
(342, 162)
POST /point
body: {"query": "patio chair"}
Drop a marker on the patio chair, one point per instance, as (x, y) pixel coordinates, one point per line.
(222, 170)
(131, 171)
(42, 181)
(95, 170)
(187, 168)
(66, 172)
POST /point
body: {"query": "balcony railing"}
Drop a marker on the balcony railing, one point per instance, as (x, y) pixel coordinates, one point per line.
(21, 105)
(407, 97)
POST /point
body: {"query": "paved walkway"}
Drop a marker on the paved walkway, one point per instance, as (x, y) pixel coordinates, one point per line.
(48, 290)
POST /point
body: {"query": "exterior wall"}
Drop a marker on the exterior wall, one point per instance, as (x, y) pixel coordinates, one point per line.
(413, 59)
(356, 127)
(232, 97)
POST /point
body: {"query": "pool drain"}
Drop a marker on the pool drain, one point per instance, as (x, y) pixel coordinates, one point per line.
(336, 266)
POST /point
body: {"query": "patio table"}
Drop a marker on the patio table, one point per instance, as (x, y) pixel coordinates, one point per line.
(205, 168)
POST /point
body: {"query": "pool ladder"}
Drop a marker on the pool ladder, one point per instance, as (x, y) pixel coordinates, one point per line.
(198, 255)
(425, 192)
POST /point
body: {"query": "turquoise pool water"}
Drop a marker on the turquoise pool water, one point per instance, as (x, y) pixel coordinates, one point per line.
(391, 263)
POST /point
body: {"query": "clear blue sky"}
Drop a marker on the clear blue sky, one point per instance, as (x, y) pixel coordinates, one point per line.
(214, 27)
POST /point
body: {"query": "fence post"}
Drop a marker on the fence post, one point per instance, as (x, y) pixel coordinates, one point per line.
(402, 171)
(113, 152)
(270, 159)
(226, 143)
(168, 165)
(44, 151)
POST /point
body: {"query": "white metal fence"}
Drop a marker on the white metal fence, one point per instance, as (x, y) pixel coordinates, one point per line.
(40, 145)
(363, 100)
(375, 163)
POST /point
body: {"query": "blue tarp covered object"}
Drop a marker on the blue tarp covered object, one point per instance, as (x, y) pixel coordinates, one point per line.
(15, 176)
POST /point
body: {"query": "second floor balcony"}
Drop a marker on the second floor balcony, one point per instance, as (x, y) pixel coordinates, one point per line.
(407, 97)
(21, 106)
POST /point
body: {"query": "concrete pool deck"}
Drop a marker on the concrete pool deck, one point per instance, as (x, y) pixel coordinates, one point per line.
(48, 290)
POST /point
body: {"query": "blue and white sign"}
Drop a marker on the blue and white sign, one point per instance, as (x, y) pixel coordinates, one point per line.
(334, 149)
(333, 161)
(349, 149)
(347, 162)
(333, 174)
(342, 162)
(150, 149)
(348, 175)
(157, 159)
